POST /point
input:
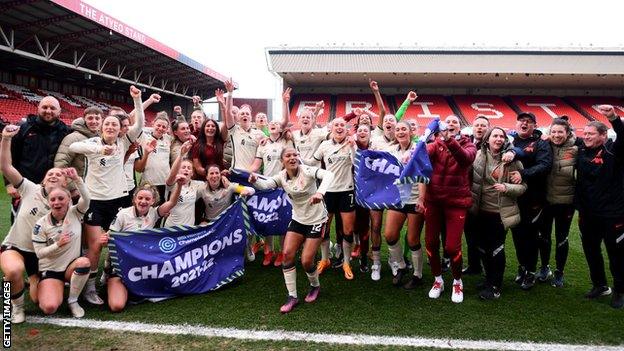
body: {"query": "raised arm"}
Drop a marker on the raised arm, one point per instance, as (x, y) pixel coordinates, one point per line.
(6, 167)
(136, 129)
(175, 167)
(85, 197)
(463, 155)
(229, 119)
(618, 127)
(166, 207)
(148, 148)
(285, 107)
(153, 99)
(411, 97)
(378, 100)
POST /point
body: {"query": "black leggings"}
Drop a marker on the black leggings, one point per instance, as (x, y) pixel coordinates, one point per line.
(525, 236)
(561, 215)
(491, 245)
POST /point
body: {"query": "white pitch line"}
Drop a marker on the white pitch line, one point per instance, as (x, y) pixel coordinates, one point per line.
(281, 335)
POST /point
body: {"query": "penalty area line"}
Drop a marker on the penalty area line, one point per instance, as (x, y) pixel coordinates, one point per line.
(283, 335)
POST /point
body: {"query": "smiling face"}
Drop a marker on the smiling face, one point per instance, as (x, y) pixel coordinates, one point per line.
(479, 127)
(453, 125)
(54, 177)
(186, 169)
(363, 133)
(110, 128)
(160, 127)
(49, 109)
(339, 129)
(210, 128)
(496, 140)
(244, 117)
(275, 128)
(402, 132)
(183, 131)
(143, 200)
(59, 200)
(558, 134)
(525, 127)
(290, 159)
(365, 119)
(93, 121)
(306, 119)
(389, 122)
(592, 138)
(213, 176)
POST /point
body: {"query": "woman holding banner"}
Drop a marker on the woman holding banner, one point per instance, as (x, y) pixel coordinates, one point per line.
(412, 211)
(447, 200)
(494, 207)
(309, 216)
(140, 216)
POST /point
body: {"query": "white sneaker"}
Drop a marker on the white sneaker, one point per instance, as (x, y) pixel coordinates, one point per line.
(394, 266)
(76, 310)
(436, 289)
(376, 271)
(18, 315)
(92, 297)
(458, 293)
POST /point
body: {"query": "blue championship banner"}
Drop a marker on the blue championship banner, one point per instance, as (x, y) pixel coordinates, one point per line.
(375, 174)
(270, 210)
(182, 260)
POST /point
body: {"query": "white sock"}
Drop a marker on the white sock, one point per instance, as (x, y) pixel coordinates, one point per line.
(290, 278)
(458, 281)
(396, 255)
(90, 286)
(18, 301)
(417, 262)
(438, 279)
(377, 257)
(346, 251)
(76, 284)
(313, 278)
(325, 250)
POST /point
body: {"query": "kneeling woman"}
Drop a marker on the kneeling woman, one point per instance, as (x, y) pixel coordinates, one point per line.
(140, 216)
(57, 239)
(309, 217)
(495, 207)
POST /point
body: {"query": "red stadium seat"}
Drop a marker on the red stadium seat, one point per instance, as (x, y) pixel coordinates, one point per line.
(309, 100)
(546, 108)
(345, 104)
(425, 109)
(493, 107)
(589, 104)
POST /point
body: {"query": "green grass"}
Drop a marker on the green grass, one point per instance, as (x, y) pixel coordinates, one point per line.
(544, 314)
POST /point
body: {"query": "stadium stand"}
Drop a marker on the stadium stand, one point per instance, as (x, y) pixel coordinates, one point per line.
(493, 107)
(546, 108)
(347, 103)
(426, 108)
(309, 100)
(588, 104)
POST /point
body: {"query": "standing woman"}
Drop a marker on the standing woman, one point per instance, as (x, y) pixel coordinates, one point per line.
(412, 211)
(57, 239)
(268, 157)
(559, 200)
(307, 226)
(494, 207)
(208, 149)
(447, 200)
(140, 216)
(363, 215)
(337, 154)
(154, 162)
(105, 182)
(17, 252)
(181, 133)
(599, 197)
(184, 211)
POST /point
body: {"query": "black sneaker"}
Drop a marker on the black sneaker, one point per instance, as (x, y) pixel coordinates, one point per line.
(598, 291)
(397, 280)
(490, 293)
(528, 282)
(520, 276)
(413, 283)
(471, 270)
(617, 300)
(557, 281)
(364, 264)
(337, 262)
(543, 274)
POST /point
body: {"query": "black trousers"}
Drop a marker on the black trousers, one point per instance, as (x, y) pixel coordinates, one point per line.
(491, 244)
(472, 236)
(525, 236)
(595, 230)
(561, 215)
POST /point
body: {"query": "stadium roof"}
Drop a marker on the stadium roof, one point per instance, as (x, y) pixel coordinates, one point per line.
(591, 68)
(78, 37)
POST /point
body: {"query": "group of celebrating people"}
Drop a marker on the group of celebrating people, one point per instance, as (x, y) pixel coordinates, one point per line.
(70, 186)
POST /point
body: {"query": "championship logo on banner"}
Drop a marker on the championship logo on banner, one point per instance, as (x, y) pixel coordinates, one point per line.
(375, 174)
(182, 260)
(270, 210)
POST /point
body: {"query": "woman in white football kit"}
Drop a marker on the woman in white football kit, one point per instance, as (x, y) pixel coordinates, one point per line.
(412, 211)
(154, 162)
(57, 239)
(268, 157)
(18, 254)
(138, 217)
(309, 217)
(105, 181)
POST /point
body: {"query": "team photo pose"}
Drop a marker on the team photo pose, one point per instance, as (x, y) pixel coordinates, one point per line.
(104, 179)
(494, 207)
(308, 224)
(57, 239)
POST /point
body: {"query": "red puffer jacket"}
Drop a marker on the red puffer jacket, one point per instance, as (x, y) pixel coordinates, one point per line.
(452, 163)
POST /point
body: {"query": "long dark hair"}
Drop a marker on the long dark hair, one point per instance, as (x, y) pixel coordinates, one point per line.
(202, 142)
(485, 145)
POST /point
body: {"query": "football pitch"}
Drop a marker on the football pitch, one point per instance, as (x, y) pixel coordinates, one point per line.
(362, 307)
